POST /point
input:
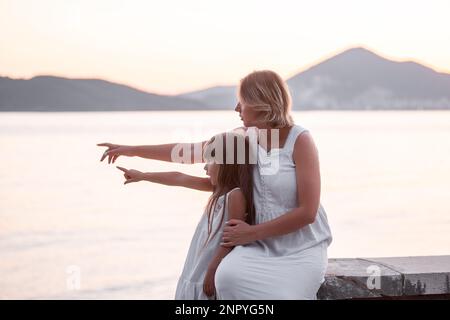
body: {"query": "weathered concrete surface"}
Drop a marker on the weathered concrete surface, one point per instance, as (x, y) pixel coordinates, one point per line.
(392, 277)
(422, 275)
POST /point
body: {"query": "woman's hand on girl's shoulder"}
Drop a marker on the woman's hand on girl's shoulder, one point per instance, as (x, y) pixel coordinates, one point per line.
(238, 232)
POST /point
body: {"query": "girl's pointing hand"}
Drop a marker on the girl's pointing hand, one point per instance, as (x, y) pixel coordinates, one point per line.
(131, 175)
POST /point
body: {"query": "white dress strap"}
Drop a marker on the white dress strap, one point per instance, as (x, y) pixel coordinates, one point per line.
(226, 200)
(228, 193)
(295, 131)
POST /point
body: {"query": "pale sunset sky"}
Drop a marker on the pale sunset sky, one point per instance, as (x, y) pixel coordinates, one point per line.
(174, 46)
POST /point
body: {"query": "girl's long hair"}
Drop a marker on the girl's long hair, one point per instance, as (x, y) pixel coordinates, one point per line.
(230, 175)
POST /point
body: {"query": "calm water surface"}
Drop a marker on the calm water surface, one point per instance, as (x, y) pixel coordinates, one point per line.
(385, 187)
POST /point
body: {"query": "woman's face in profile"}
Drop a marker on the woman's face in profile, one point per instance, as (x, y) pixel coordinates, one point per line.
(248, 114)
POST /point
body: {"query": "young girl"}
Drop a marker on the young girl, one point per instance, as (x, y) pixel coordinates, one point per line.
(232, 198)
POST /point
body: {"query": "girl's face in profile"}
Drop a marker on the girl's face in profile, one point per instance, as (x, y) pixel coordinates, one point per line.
(212, 170)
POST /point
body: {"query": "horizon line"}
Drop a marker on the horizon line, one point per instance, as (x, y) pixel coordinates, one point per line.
(218, 84)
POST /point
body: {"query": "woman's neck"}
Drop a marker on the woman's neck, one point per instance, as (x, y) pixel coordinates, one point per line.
(265, 137)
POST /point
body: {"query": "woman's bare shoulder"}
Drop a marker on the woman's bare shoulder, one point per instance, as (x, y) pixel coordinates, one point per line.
(304, 147)
(303, 140)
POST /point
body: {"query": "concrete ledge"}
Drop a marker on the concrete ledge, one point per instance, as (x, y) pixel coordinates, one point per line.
(425, 277)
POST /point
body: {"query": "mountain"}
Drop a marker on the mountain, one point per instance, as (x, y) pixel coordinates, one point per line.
(48, 93)
(360, 79)
(220, 97)
(354, 79)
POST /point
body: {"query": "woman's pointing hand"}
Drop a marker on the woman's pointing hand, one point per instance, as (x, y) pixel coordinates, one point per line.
(115, 150)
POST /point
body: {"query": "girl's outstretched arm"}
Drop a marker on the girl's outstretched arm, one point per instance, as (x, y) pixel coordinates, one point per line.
(168, 178)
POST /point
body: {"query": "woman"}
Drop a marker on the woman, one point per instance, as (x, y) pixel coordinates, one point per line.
(284, 255)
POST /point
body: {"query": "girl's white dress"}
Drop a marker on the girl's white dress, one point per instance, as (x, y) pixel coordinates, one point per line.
(290, 266)
(190, 283)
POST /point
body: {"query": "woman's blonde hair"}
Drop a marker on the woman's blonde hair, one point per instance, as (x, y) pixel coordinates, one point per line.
(267, 92)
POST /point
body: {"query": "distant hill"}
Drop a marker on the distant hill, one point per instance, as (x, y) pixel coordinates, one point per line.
(220, 97)
(354, 79)
(360, 79)
(48, 93)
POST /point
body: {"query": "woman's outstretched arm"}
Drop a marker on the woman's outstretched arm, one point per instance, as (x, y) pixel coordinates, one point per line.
(177, 179)
(172, 152)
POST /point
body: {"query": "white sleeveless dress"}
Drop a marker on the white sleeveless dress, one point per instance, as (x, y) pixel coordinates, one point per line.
(290, 266)
(190, 283)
